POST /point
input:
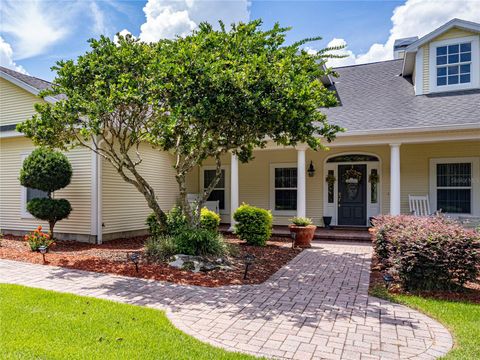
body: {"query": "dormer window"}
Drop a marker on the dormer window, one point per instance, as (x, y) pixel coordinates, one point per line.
(454, 64)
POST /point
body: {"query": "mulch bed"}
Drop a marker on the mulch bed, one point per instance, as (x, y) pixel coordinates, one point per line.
(471, 291)
(111, 257)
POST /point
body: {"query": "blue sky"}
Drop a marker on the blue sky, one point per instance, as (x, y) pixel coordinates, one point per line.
(34, 34)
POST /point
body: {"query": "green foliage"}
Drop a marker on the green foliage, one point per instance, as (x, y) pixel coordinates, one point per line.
(175, 223)
(301, 221)
(200, 242)
(209, 220)
(160, 249)
(253, 225)
(46, 170)
(49, 209)
(427, 253)
(198, 96)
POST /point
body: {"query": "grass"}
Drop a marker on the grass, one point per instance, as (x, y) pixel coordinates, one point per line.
(461, 318)
(39, 324)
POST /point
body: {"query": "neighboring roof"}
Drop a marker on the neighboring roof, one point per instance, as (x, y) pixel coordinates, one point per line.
(404, 42)
(30, 83)
(374, 97)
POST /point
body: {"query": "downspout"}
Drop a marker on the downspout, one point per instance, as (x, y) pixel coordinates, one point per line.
(99, 196)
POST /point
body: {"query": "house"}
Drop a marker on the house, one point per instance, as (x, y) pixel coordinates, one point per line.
(412, 128)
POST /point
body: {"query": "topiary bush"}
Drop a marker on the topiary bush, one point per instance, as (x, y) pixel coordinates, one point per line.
(47, 170)
(253, 225)
(199, 242)
(209, 220)
(427, 253)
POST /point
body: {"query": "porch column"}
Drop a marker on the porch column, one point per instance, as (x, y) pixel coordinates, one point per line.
(233, 188)
(301, 185)
(394, 179)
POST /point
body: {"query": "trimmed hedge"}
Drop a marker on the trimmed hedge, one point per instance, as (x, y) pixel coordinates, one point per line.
(209, 220)
(427, 253)
(253, 225)
(199, 242)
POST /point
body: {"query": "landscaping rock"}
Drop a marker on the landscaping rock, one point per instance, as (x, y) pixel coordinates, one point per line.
(197, 263)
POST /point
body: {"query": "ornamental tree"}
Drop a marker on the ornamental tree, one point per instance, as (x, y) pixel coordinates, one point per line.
(48, 171)
(198, 97)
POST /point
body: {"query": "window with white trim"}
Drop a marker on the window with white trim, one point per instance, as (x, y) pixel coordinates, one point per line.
(454, 64)
(453, 182)
(218, 193)
(285, 188)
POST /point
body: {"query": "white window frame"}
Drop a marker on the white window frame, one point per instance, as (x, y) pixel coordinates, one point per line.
(226, 189)
(272, 188)
(23, 197)
(474, 186)
(474, 64)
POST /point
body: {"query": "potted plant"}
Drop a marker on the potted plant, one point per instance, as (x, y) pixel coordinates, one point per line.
(302, 230)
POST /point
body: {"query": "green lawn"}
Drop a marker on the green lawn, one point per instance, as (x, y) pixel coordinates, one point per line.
(39, 324)
(461, 318)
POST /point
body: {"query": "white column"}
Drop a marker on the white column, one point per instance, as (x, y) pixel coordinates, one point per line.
(394, 179)
(233, 188)
(301, 184)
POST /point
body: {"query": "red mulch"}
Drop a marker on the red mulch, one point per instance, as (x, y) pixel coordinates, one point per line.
(111, 257)
(470, 292)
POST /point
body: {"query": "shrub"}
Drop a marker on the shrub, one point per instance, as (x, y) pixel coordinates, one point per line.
(160, 249)
(253, 225)
(38, 238)
(176, 222)
(199, 242)
(301, 221)
(429, 253)
(47, 170)
(209, 220)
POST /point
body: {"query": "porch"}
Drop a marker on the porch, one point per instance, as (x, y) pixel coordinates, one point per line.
(294, 181)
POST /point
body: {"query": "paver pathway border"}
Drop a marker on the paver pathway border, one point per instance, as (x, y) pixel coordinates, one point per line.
(315, 307)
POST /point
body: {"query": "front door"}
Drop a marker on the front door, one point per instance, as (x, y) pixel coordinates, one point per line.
(352, 195)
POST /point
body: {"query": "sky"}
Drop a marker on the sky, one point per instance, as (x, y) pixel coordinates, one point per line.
(34, 34)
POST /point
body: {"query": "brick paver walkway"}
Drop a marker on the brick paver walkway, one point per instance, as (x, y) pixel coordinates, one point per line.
(316, 307)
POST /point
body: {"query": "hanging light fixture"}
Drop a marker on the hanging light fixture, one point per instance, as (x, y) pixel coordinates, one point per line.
(311, 169)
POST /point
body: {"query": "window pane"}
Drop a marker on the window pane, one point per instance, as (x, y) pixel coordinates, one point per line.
(453, 49)
(35, 193)
(441, 81)
(452, 80)
(453, 175)
(466, 57)
(441, 71)
(464, 69)
(452, 70)
(464, 78)
(465, 47)
(442, 50)
(285, 177)
(218, 195)
(285, 199)
(454, 200)
(209, 175)
(441, 60)
(452, 59)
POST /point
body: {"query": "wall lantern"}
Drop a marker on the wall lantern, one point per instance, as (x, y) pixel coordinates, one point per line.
(311, 169)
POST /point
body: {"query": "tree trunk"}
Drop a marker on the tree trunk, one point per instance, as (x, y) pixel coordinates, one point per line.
(51, 224)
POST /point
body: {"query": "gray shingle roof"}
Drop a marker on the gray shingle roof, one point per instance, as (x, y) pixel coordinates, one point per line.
(375, 97)
(36, 83)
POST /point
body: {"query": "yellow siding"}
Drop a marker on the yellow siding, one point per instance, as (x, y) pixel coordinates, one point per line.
(78, 192)
(450, 34)
(16, 104)
(415, 160)
(254, 177)
(124, 207)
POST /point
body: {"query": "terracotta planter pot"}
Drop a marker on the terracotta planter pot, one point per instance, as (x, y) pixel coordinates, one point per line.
(303, 235)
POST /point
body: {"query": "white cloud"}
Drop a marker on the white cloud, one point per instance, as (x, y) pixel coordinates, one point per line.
(169, 18)
(124, 33)
(99, 25)
(34, 25)
(348, 56)
(414, 18)
(6, 57)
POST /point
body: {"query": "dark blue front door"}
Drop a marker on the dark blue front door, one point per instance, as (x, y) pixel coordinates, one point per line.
(352, 195)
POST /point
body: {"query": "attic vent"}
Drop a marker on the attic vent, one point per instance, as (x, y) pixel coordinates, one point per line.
(400, 45)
